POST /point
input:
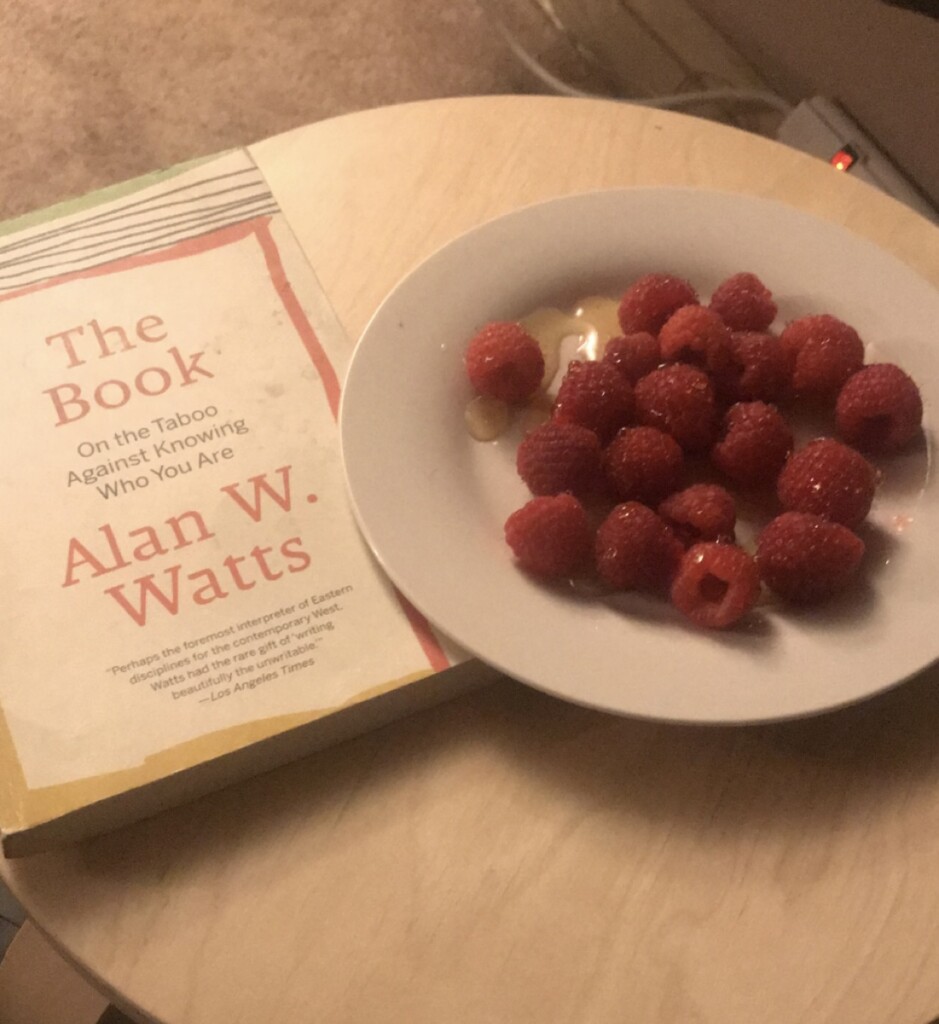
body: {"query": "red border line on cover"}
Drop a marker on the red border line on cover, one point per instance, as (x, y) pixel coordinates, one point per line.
(303, 327)
(425, 635)
(420, 626)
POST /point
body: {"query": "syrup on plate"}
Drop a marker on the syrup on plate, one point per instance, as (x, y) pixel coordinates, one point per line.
(562, 336)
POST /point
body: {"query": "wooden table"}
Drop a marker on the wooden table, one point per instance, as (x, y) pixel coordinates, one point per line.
(507, 858)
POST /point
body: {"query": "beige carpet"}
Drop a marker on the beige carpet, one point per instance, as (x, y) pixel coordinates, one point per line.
(96, 91)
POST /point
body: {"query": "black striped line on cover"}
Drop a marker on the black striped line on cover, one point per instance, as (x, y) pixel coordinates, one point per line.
(173, 211)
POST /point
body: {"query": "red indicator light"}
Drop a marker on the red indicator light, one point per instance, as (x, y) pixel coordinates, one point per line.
(844, 159)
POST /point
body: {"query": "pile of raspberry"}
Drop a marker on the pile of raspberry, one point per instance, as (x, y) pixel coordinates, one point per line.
(693, 392)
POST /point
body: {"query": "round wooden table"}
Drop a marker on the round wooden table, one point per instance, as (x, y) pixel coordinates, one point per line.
(506, 858)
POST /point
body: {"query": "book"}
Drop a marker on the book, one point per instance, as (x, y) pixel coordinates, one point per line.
(187, 599)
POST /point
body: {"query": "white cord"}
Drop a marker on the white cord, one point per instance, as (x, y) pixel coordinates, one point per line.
(676, 102)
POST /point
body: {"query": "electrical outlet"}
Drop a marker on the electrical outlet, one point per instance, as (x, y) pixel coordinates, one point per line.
(820, 127)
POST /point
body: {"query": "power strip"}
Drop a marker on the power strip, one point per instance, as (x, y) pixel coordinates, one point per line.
(820, 127)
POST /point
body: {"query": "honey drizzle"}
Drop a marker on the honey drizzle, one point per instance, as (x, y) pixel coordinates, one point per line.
(587, 329)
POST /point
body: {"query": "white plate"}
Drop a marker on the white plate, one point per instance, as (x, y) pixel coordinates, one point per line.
(431, 502)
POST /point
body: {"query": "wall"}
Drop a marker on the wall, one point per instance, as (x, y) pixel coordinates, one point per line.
(880, 62)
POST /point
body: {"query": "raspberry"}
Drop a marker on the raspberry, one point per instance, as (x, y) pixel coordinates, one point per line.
(806, 558)
(504, 361)
(744, 303)
(643, 464)
(556, 457)
(693, 334)
(879, 409)
(678, 399)
(716, 585)
(822, 352)
(753, 445)
(701, 512)
(634, 355)
(827, 478)
(550, 536)
(757, 369)
(648, 302)
(595, 396)
(635, 549)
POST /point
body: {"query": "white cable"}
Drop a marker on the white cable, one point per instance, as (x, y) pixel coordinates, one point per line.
(675, 102)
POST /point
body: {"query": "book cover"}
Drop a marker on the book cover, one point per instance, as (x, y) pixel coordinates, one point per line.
(185, 591)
